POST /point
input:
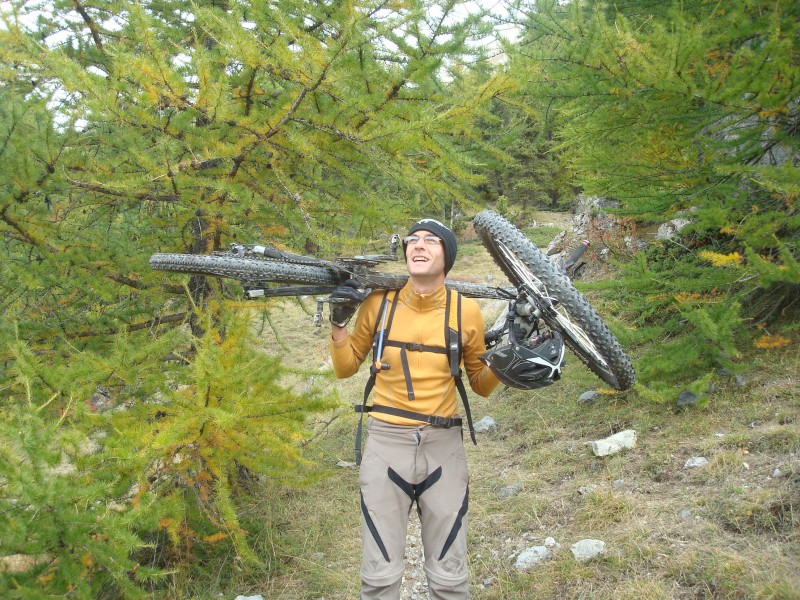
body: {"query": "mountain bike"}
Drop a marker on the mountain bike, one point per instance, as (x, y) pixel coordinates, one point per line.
(541, 295)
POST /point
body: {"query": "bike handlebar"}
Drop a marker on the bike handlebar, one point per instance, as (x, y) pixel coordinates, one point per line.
(582, 247)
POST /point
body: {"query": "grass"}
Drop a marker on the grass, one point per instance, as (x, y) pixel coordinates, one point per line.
(542, 235)
(727, 530)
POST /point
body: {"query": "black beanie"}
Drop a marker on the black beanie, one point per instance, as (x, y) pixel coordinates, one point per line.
(444, 233)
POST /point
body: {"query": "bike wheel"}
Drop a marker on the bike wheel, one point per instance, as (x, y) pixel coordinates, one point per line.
(563, 307)
(263, 271)
(248, 269)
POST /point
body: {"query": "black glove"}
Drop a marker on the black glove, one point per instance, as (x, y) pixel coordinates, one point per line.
(345, 300)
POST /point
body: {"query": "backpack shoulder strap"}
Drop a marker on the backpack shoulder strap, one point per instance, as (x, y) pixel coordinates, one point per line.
(379, 333)
(454, 347)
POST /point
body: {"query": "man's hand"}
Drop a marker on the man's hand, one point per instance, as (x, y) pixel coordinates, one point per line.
(345, 300)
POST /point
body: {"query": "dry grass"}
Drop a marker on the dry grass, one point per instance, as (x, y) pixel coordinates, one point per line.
(728, 530)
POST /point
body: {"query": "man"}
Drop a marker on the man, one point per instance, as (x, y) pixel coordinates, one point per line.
(414, 450)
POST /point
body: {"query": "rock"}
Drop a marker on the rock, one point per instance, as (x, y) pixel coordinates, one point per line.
(668, 230)
(589, 397)
(22, 563)
(618, 484)
(634, 244)
(776, 474)
(590, 212)
(556, 245)
(485, 425)
(695, 462)
(687, 399)
(684, 513)
(551, 543)
(65, 467)
(88, 447)
(611, 445)
(586, 550)
(530, 557)
(100, 400)
(344, 464)
(510, 490)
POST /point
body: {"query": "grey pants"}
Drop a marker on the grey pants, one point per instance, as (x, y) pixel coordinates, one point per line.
(403, 465)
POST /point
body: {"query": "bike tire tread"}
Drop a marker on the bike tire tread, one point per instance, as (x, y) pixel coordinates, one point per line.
(620, 373)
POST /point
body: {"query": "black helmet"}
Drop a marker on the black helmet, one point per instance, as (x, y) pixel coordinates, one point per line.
(530, 364)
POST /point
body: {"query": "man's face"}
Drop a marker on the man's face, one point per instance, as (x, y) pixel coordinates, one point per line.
(425, 259)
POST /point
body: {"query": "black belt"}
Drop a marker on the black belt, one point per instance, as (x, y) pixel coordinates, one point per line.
(433, 420)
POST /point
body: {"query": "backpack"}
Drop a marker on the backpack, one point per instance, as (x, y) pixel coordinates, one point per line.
(380, 339)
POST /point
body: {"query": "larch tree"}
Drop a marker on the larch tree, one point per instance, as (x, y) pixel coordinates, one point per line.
(130, 128)
(681, 110)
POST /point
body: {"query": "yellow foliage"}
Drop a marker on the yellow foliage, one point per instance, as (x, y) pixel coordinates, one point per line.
(769, 341)
(217, 537)
(138, 497)
(657, 297)
(275, 230)
(769, 113)
(721, 260)
(685, 297)
(606, 391)
(165, 523)
(87, 560)
(728, 230)
(204, 492)
(397, 5)
(46, 578)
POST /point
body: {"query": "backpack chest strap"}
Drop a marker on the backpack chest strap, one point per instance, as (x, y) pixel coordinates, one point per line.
(415, 347)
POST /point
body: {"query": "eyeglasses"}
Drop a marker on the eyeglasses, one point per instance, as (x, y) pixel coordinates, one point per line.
(430, 240)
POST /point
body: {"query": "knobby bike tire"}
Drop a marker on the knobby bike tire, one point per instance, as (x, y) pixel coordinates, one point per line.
(583, 330)
(245, 269)
(261, 271)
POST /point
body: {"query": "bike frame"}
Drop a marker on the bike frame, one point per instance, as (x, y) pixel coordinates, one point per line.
(359, 268)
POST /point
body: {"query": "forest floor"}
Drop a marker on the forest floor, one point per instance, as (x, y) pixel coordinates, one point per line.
(729, 529)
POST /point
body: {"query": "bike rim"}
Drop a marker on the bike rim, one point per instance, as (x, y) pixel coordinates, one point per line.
(557, 312)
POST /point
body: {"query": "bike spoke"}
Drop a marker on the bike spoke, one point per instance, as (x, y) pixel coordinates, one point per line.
(560, 315)
(580, 337)
(523, 271)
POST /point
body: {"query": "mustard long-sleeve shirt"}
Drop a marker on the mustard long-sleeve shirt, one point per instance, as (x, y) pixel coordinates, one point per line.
(420, 319)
